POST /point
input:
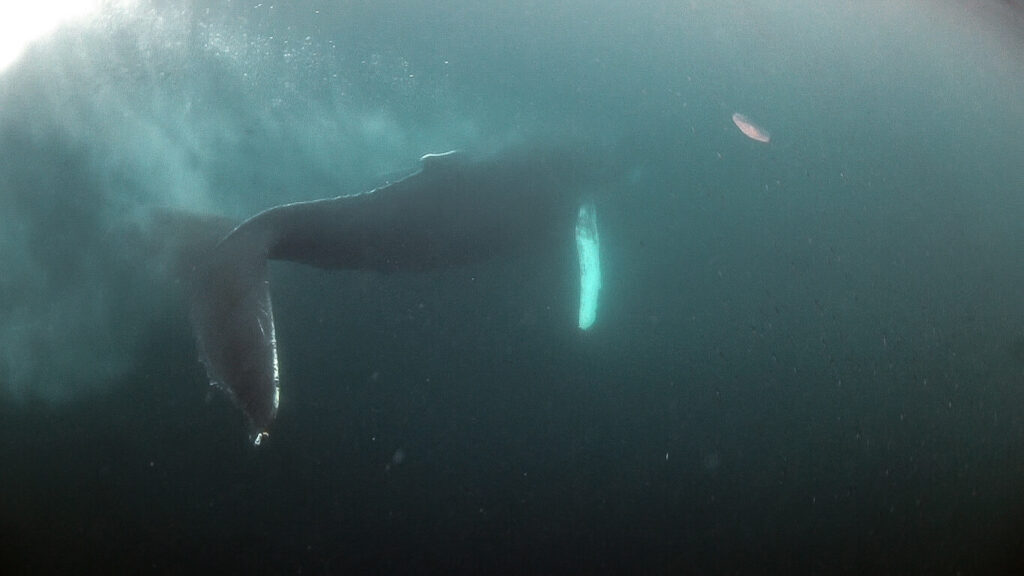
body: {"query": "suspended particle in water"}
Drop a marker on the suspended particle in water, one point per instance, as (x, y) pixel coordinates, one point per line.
(396, 460)
(751, 130)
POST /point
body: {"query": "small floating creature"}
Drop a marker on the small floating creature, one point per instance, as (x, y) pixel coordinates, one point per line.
(751, 130)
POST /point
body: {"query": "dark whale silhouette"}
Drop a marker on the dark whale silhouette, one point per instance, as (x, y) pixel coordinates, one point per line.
(455, 211)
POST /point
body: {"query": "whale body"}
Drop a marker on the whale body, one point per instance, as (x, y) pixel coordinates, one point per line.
(455, 211)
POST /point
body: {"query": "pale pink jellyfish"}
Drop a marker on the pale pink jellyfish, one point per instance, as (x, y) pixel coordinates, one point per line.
(751, 130)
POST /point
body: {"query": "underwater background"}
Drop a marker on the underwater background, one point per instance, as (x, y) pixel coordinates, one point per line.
(808, 357)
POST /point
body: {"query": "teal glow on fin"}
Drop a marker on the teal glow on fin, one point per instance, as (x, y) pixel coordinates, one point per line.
(588, 248)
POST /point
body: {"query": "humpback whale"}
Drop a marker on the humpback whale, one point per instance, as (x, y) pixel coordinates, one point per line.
(456, 210)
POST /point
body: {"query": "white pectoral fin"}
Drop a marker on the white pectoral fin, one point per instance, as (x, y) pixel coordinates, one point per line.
(588, 249)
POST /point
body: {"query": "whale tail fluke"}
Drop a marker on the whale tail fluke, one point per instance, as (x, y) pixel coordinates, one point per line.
(233, 320)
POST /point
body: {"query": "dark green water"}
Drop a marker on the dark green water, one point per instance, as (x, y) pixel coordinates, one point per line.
(809, 355)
